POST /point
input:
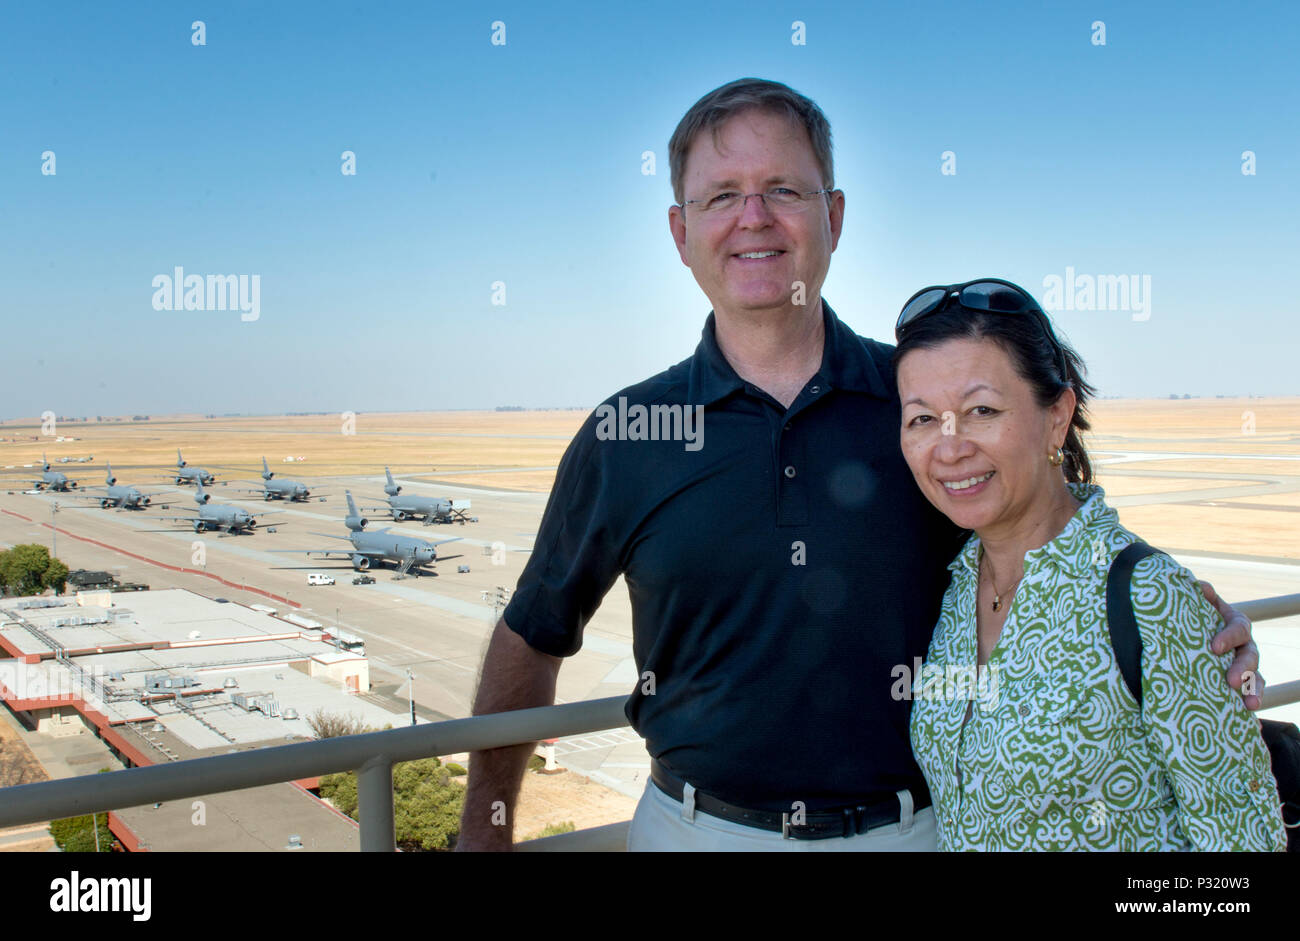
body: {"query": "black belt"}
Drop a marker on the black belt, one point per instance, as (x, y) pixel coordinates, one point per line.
(800, 825)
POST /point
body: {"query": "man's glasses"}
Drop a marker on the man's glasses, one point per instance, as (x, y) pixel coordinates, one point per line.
(987, 295)
(780, 201)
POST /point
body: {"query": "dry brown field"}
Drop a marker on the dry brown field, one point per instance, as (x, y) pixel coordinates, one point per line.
(519, 451)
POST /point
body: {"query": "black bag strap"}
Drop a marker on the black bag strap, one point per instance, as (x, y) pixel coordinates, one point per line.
(1124, 637)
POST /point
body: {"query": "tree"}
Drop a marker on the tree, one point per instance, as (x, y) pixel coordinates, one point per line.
(426, 803)
(27, 569)
(56, 576)
(332, 725)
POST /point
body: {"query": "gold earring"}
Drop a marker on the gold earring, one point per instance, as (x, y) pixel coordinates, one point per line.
(1057, 458)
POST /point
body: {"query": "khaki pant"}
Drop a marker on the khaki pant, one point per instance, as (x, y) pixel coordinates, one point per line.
(662, 824)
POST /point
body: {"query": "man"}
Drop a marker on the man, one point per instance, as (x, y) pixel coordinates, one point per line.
(781, 564)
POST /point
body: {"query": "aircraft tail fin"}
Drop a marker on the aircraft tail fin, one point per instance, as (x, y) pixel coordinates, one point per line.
(354, 520)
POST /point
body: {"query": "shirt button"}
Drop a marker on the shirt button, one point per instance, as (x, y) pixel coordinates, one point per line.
(1024, 710)
(1254, 785)
(787, 427)
(815, 389)
(789, 471)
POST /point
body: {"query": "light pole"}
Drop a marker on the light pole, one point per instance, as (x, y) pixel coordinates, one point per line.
(54, 530)
(410, 691)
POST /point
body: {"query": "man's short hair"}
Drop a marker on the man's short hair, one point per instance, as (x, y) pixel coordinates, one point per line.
(721, 104)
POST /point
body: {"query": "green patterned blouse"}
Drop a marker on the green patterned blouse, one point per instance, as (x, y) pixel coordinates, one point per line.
(1055, 754)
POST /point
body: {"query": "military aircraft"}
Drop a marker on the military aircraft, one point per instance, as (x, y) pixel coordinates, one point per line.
(189, 475)
(431, 509)
(232, 519)
(280, 489)
(52, 480)
(409, 553)
(124, 498)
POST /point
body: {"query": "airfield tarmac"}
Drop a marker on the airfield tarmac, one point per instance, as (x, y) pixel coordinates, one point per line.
(1186, 475)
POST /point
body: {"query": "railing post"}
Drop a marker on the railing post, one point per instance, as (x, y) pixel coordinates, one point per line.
(375, 805)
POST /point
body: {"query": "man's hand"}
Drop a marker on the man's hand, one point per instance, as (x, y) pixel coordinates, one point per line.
(1236, 634)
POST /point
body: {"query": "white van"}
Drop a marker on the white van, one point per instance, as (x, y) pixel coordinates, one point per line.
(317, 578)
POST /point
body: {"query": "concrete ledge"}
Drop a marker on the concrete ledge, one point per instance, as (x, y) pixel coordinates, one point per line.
(611, 838)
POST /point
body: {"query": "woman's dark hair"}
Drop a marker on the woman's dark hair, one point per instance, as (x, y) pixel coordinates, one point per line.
(1032, 354)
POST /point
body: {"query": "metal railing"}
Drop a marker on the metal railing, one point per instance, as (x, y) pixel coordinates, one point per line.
(373, 754)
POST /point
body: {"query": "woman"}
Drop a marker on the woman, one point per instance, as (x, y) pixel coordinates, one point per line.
(1049, 749)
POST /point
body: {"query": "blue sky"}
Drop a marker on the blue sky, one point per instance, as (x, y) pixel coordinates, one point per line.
(521, 163)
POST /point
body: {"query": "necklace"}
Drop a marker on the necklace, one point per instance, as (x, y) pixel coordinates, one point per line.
(997, 595)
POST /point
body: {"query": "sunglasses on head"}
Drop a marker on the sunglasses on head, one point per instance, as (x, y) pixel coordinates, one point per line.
(987, 295)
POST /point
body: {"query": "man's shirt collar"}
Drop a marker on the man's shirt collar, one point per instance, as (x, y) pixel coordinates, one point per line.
(846, 364)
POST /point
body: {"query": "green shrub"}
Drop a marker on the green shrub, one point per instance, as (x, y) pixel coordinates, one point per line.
(76, 835)
(426, 805)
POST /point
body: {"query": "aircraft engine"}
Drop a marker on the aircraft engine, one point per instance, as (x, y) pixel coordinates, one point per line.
(356, 523)
(361, 562)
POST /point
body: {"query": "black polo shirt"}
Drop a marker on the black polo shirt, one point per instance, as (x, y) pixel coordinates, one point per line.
(781, 566)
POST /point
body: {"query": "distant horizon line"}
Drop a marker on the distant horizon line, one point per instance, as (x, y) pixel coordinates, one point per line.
(212, 416)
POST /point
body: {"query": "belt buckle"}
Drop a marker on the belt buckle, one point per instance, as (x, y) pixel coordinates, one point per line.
(792, 831)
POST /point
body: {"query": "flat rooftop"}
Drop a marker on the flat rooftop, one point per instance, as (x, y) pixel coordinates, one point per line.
(217, 649)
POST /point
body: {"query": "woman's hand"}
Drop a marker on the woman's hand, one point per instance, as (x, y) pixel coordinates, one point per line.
(1243, 674)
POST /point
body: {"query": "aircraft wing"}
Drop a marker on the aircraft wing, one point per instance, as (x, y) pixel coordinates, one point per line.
(345, 553)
